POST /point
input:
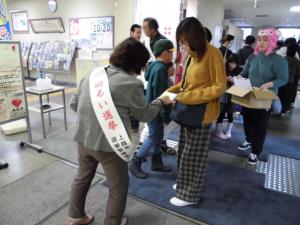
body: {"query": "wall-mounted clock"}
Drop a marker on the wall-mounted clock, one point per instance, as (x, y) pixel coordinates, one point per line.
(52, 5)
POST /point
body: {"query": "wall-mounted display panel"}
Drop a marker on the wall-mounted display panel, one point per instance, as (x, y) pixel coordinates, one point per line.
(96, 32)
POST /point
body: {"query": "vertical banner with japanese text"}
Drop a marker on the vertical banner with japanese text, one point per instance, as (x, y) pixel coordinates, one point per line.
(12, 99)
(5, 31)
(108, 116)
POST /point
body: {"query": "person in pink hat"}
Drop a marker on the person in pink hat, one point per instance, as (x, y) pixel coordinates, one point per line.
(268, 71)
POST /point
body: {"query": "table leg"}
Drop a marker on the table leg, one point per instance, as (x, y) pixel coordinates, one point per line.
(65, 110)
(49, 113)
(42, 116)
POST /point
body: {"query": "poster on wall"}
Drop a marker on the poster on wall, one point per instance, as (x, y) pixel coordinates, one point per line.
(5, 32)
(47, 25)
(97, 32)
(19, 21)
(12, 100)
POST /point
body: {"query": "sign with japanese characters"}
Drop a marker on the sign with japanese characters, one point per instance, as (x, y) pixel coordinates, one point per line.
(10, 79)
(107, 115)
(12, 102)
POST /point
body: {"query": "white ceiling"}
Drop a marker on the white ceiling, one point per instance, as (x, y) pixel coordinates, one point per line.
(243, 14)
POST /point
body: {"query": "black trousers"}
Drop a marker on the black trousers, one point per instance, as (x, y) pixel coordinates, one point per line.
(285, 94)
(255, 127)
(294, 89)
(226, 108)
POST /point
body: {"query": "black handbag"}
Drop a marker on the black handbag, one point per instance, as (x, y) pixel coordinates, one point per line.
(190, 116)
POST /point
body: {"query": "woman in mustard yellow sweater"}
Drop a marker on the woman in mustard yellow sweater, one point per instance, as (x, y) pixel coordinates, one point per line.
(205, 82)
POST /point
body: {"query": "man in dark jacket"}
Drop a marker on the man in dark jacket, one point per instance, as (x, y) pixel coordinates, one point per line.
(247, 50)
(150, 27)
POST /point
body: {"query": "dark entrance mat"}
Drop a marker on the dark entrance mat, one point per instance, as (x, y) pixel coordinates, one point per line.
(273, 145)
(231, 195)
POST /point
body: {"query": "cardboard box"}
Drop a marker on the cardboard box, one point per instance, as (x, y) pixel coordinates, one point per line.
(252, 98)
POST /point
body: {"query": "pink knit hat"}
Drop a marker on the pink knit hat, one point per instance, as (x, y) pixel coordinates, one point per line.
(272, 36)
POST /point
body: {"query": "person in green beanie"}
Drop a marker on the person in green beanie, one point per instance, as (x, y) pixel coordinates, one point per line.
(157, 77)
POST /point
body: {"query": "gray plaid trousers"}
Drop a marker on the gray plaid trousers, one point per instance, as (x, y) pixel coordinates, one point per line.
(191, 162)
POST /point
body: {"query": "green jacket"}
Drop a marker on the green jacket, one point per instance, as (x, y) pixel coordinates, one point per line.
(261, 69)
(157, 77)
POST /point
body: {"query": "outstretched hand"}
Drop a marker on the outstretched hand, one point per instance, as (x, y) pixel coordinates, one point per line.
(167, 98)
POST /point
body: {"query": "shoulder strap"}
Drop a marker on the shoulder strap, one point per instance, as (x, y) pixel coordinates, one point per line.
(186, 65)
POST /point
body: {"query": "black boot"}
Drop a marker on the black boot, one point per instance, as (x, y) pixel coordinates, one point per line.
(135, 168)
(157, 164)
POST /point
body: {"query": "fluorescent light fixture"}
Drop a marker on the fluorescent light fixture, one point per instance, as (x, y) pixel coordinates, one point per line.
(295, 8)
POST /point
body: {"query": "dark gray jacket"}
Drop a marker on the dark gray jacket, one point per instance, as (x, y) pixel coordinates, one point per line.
(128, 95)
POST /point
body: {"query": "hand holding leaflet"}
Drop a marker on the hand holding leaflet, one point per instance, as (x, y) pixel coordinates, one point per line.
(168, 97)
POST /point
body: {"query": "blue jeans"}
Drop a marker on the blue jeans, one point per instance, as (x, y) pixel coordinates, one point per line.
(155, 137)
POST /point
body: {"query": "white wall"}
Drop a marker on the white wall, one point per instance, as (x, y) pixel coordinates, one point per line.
(192, 8)
(121, 9)
(211, 15)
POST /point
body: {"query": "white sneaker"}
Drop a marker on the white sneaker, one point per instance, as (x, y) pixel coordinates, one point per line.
(180, 203)
(220, 132)
(174, 187)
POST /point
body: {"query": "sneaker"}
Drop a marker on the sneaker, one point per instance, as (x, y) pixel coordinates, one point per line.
(180, 203)
(252, 159)
(174, 187)
(244, 146)
(165, 148)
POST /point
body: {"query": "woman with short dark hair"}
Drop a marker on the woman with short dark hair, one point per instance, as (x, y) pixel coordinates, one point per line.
(205, 82)
(94, 146)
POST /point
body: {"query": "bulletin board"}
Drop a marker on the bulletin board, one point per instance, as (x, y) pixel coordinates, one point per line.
(94, 32)
(13, 105)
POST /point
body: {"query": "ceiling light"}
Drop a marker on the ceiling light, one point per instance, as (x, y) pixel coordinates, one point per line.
(295, 8)
(255, 4)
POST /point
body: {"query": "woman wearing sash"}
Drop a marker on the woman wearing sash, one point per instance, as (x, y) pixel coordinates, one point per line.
(94, 139)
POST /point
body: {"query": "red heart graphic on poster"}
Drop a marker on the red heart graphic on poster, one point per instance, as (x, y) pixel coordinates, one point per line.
(16, 102)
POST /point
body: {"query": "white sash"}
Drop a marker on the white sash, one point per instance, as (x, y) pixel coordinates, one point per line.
(107, 115)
